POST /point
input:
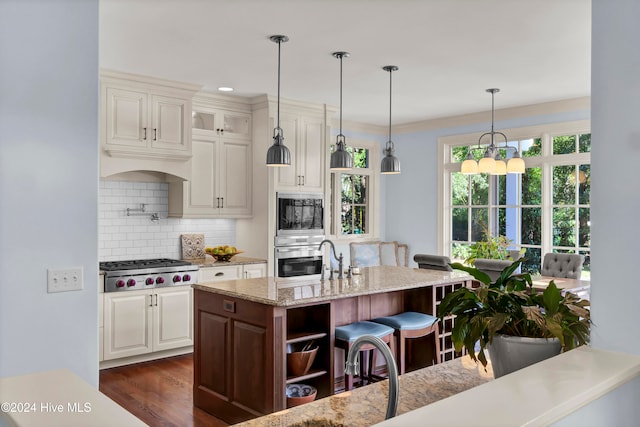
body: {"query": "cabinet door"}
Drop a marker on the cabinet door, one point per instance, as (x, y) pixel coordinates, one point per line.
(235, 125)
(255, 270)
(126, 118)
(218, 274)
(127, 324)
(171, 128)
(288, 178)
(235, 177)
(172, 318)
(311, 155)
(203, 184)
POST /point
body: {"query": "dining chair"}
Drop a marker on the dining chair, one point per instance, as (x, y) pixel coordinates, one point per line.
(433, 262)
(389, 253)
(564, 265)
(364, 254)
(403, 255)
(492, 267)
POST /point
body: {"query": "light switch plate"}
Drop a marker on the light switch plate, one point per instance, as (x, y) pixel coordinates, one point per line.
(64, 279)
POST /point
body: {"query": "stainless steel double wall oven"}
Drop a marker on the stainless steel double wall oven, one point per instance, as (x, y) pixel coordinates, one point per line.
(299, 231)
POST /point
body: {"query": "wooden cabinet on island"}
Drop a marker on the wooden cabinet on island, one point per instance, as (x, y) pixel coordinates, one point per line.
(243, 328)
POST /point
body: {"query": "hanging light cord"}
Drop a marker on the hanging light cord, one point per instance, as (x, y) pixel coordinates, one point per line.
(340, 135)
(389, 142)
(278, 129)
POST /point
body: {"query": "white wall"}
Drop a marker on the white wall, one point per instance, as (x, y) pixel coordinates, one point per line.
(615, 197)
(123, 237)
(48, 184)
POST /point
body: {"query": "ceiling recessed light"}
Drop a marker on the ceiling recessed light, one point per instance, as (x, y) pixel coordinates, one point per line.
(225, 89)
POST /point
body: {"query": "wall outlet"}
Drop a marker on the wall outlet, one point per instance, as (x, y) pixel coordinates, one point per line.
(64, 279)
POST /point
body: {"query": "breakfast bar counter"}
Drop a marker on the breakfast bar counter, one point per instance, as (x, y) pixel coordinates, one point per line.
(243, 329)
(367, 405)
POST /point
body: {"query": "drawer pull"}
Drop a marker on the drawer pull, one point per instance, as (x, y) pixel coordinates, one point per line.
(229, 306)
(219, 274)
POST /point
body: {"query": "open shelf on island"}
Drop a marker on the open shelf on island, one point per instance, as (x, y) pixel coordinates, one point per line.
(304, 336)
(311, 374)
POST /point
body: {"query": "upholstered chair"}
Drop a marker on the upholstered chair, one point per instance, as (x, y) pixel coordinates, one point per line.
(403, 255)
(365, 254)
(492, 267)
(433, 262)
(389, 253)
(562, 265)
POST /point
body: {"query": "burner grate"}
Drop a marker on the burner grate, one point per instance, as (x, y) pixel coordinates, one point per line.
(141, 264)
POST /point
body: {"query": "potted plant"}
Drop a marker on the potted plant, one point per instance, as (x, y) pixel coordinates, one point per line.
(509, 311)
(492, 247)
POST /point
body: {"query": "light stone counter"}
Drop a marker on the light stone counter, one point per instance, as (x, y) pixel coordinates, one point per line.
(209, 261)
(367, 405)
(371, 280)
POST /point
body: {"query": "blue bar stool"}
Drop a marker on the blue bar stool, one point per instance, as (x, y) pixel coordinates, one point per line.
(411, 324)
(347, 334)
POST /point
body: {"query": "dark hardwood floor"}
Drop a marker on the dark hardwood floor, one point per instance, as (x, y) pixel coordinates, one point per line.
(159, 392)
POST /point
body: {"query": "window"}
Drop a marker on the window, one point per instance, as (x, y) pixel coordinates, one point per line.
(544, 210)
(353, 193)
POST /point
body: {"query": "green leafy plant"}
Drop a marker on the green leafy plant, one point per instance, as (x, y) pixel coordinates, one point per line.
(492, 247)
(511, 306)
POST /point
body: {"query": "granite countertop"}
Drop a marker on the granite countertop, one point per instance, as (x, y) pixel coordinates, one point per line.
(209, 261)
(371, 280)
(367, 405)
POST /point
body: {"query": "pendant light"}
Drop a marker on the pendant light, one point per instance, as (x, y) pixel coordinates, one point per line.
(278, 154)
(492, 161)
(341, 159)
(390, 164)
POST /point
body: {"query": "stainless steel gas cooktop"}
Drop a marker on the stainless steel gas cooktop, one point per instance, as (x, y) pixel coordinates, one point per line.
(131, 275)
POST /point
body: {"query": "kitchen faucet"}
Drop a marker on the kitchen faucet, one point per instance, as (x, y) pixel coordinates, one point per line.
(351, 368)
(339, 258)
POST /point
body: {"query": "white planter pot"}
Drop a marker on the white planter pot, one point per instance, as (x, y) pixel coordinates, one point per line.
(509, 353)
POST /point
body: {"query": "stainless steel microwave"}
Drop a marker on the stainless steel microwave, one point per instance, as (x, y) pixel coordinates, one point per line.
(300, 214)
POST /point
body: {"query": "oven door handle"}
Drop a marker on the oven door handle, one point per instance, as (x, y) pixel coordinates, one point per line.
(294, 252)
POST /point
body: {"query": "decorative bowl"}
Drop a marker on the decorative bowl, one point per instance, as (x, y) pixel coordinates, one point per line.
(219, 253)
(299, 362)
(225, 257)
(298, 394)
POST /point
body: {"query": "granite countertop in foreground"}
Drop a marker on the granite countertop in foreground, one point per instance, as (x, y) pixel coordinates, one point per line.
(291, 291)
(367, 405)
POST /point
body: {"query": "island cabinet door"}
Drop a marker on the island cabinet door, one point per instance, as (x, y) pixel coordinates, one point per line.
(238, 356)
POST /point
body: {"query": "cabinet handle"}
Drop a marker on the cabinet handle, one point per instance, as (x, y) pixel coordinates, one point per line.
(155, 134)
(222, 198)
(145, 134)
(219, 274)
(156, 304)
(302, 179)
(217, 202)
(151, 300)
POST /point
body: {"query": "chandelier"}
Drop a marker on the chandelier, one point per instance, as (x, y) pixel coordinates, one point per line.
(492, 161)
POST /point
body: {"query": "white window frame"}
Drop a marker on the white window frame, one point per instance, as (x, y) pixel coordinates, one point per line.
(547, 161)
(373, 211)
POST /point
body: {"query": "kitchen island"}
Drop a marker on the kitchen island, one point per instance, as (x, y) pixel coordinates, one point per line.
(243, 328)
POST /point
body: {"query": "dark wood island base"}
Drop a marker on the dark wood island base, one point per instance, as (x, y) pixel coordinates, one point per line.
(243, 328)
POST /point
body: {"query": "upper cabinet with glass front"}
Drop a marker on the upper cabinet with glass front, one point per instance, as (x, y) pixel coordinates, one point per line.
(216, 115)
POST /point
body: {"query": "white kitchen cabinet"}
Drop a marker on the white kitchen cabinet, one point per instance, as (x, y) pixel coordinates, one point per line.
(230, 124)
(220, 184)
(145, 118)
(304, 136)
(218, 274)
(139, 322)
(251, 271)
(231, 272)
